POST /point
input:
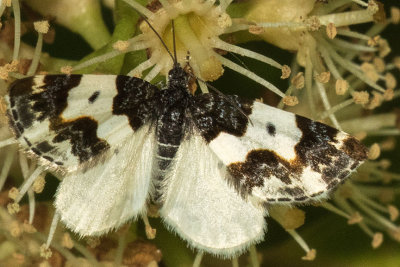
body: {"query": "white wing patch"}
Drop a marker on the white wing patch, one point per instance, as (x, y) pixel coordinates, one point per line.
(112, 190)
(203, 209)
(285, 158)
(100, 89)
(230, 148)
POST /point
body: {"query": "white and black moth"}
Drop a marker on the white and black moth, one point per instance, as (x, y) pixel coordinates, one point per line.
(211, 163)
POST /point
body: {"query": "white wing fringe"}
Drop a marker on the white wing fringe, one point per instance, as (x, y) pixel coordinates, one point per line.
(111, 192)
(203, 209)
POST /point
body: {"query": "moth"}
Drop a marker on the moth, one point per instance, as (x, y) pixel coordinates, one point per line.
(211, 163)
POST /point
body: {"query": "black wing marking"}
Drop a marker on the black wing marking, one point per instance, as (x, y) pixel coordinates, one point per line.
(38, 108)
(136, 99)
(213, 114)
(283, 157)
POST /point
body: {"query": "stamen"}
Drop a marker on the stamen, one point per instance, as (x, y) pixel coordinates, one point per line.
(66, 241)
(287, 93)
(296, 25)
(31, 198)
(393, 176)
(348, 65)
(120, 249)
(197, 260)
(298, 239)
(286, 72)
(355, 218)
(203, 87)
(141, 9)
(373, 32)
(373, 204)
(36, 55)
(310, 256)
(154, 72)
(356, 47)
(236, 26)
(52, 230)
(336, 108)
(394, 15)
(39, 184)
(235, 262)
(327, 105)
(217, 43)
(393, 213)
(253, 256)
(341, 87)
(150, 232)
(377, 240)
(223, 4)
(376, 216)
(109, 55)
(41, 27)
(7, 162)
(138, 70)
(97, 59)
(17, 28)
(290, 100)
(387, 132)
(360, 2)
(370, 123)
(347, 18)
(331, 31)
(86, 253)
(374, 152)
(45, 252)
(64, 252)
(250, 75)
(28, 182)
(23, 162)
(353, 34)
(329, 63)
(308, 81)
(298, 80)
(341, 202)
(17, 75)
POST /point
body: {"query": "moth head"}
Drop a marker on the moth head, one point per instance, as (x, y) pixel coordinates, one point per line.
(177, 77)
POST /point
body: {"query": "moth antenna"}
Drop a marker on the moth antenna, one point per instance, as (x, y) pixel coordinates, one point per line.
(240, 61)
(174, 42)
(159, 37)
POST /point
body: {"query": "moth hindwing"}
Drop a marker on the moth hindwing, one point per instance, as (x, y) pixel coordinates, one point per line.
(211, 163)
